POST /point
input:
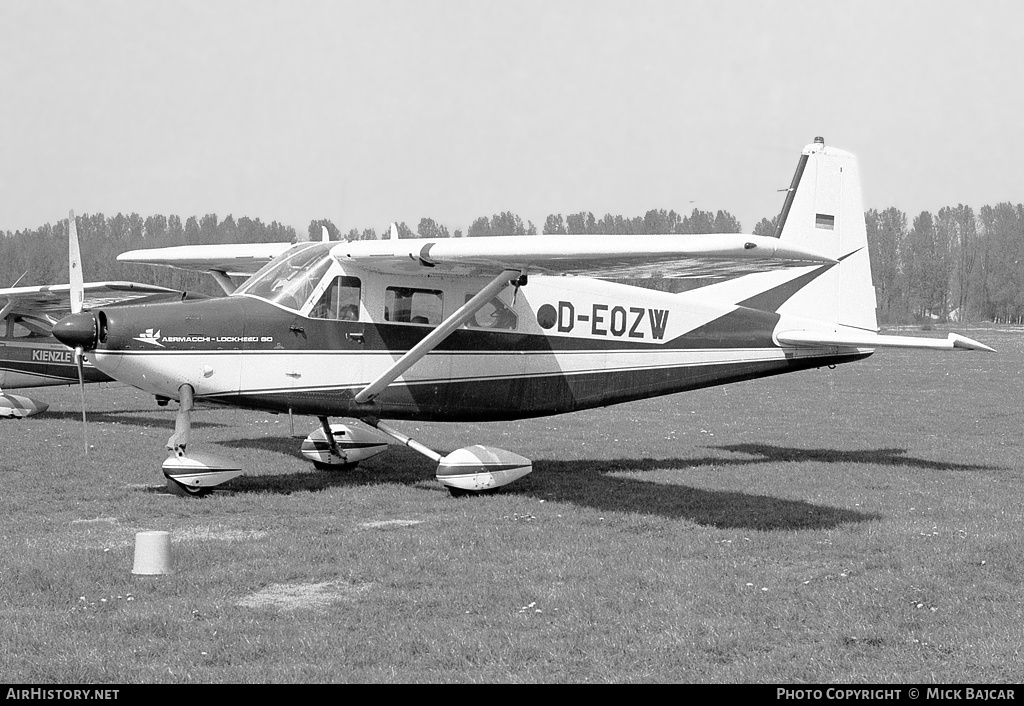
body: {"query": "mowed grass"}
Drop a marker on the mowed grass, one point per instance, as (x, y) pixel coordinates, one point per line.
(861, 524)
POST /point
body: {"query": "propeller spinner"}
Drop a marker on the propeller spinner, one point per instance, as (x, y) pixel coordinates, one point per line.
(78, 331)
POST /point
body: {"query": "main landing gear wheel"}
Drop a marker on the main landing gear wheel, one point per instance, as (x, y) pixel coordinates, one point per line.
(186, 491)
(463, 493)
(340, 447)
(193, 475)
(334, 467)
(472, 470)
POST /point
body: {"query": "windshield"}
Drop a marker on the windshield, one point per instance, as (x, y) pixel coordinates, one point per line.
(290, 280)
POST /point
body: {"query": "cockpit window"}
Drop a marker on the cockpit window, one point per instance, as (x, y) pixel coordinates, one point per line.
(290, 281)
(340, 300)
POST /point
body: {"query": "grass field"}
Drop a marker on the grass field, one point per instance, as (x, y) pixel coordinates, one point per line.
(861, 524)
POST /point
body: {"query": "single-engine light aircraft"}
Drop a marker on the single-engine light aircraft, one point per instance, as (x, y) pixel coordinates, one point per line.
(30, 356)
(501, 328)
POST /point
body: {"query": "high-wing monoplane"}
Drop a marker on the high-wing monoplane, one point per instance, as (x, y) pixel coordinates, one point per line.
(30, 356)
(502, 328)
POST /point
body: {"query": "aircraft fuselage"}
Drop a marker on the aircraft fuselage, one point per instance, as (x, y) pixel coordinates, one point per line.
(562, 344)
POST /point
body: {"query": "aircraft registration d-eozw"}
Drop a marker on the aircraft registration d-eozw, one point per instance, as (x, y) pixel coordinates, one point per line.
(30, 356)
(503, 328)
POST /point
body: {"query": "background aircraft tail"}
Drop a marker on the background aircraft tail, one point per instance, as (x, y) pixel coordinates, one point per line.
(824, 211)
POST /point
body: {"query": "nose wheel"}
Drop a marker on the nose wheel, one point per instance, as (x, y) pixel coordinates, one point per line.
(186, 491)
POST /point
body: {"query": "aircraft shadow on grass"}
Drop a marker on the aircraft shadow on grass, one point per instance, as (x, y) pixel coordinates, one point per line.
(882, 457)
(127, 417)
(594, 483)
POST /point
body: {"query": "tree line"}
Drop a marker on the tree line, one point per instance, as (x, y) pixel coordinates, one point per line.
(40, 256)
(955, 265)
(952, 265)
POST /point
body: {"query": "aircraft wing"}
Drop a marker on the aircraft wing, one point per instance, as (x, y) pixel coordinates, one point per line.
(606, 256)
(232, 259)
(57, 297)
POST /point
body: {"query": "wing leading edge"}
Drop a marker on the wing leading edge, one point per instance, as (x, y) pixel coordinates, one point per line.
(233, 259)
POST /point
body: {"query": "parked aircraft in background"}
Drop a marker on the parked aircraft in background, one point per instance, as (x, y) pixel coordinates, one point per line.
(493, 329)
(228, 264)
(31, 357)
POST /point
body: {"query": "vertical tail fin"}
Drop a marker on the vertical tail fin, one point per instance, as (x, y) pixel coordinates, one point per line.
(824, 211)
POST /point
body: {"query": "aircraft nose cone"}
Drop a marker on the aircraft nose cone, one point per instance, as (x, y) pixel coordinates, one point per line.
(76, 330)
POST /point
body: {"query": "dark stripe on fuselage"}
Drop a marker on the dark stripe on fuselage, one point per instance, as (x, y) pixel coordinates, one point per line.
(49, 373)
(247, 324)
(772, 299)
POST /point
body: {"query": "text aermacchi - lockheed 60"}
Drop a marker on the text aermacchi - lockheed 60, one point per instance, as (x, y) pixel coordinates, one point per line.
(493, 329)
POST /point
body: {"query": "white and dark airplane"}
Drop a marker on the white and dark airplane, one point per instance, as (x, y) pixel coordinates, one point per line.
(495, 329)
(30, 356)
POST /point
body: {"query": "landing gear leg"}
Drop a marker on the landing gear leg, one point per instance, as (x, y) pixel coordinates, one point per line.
(339, 459)
(179, 440)
(325, 424)
(183, 422)
(193, 475)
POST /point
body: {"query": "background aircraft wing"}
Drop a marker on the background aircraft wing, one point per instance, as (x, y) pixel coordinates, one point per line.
(605, 256)
(232, 259)
(57, 297)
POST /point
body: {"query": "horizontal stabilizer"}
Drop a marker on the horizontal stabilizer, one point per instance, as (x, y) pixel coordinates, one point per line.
(866, 339)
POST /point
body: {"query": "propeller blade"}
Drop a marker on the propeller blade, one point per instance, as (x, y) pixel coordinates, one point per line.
(81, 387)
(77, 280)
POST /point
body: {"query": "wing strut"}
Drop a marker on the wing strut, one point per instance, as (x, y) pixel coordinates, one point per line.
(435, 337)
(222, 278)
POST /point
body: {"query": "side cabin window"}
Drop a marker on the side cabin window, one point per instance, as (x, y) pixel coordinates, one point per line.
(340, 301)
(495, 314)
(412, 306)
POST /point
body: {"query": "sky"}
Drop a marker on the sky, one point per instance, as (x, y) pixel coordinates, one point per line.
(370, 112)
